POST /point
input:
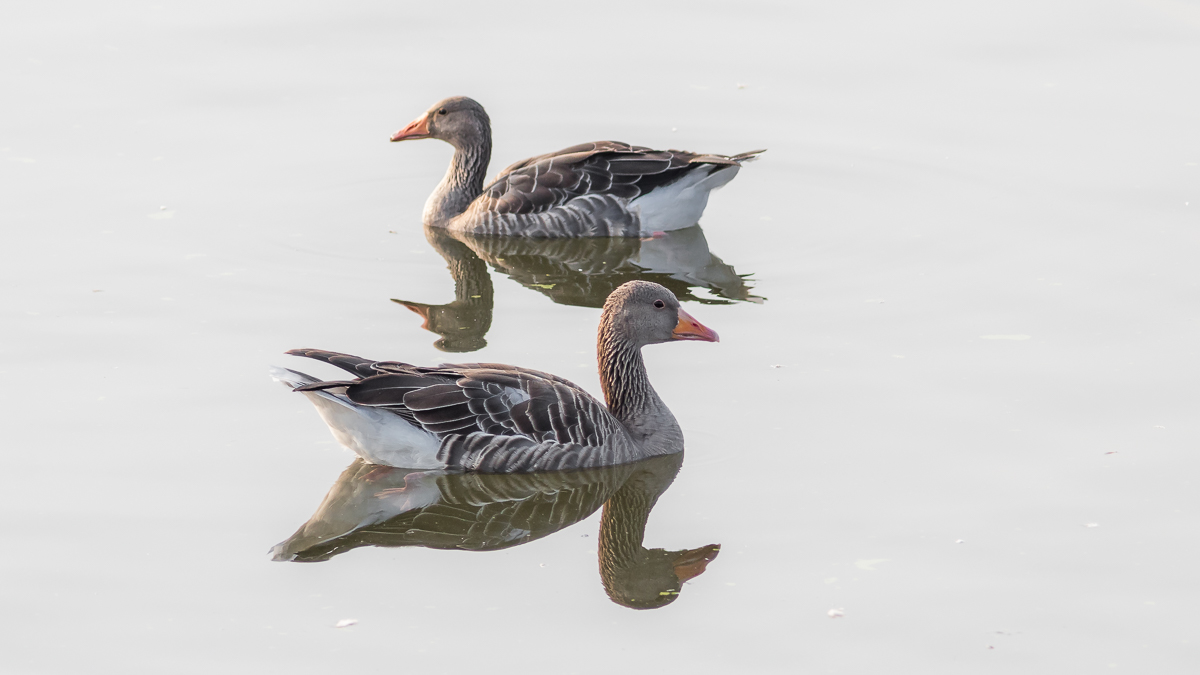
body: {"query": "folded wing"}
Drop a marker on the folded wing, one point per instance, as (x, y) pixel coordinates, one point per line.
(489, 417)
(611, 168)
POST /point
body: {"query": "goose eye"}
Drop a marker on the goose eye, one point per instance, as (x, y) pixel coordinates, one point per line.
(659, 304)
(442, 111)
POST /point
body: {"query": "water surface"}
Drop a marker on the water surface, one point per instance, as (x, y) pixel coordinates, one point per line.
(963, 418)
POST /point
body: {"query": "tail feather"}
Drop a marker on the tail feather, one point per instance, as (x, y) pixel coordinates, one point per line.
(378, 436)
(353, 364)
(713, 159)
(321, 386)
(729, 160)
(748, 156)
(298, 381)
(291, 378)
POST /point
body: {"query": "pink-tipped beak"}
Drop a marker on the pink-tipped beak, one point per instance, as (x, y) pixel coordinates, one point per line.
(690, 329)
(418, 128)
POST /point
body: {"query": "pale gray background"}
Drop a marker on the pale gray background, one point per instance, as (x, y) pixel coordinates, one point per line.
(938, 172)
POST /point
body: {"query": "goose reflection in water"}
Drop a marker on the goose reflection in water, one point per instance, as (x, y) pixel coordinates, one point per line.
(372, 505)
(580, 272)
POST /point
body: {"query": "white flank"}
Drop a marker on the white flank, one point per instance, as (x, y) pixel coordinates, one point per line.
(378, 436)
(680, 204)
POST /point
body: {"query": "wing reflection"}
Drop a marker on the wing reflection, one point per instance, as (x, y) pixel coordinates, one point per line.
(580, 272)
(373, 505)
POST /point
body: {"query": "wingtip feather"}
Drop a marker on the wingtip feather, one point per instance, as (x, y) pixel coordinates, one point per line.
(748, 156)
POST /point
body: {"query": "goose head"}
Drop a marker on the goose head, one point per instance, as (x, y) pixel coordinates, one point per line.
(646, 313)
(458, 120)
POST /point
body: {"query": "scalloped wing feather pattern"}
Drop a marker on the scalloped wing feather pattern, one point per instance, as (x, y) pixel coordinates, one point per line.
(490, 417)
(591, 190)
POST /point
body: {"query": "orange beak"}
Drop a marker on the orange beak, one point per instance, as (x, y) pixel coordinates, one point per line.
(690, 329)
(418, 128)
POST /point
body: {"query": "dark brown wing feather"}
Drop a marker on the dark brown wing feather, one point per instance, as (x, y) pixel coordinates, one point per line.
(612, 168)
(354, 364)
(489, 417)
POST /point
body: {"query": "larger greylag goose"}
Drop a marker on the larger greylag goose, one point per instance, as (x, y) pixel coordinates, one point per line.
(600, 189)
(496, 418)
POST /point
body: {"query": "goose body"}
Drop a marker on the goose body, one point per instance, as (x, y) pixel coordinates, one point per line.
(496, 418)
(599, 189)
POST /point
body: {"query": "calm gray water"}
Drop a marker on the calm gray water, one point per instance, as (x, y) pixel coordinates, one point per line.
(964, 417)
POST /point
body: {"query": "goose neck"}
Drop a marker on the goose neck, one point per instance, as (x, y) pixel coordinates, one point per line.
(623, 378)
(462, 183)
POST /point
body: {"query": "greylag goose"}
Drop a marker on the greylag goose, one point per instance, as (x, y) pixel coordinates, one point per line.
(373, 505)
(496, 418)
(579, 272)
(601, 189)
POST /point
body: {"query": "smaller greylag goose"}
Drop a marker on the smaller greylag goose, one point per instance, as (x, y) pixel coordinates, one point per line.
(495, 418)
(600, 189)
